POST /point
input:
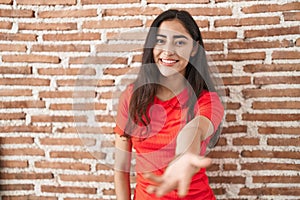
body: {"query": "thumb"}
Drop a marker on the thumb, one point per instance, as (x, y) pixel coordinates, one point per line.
(201, 162)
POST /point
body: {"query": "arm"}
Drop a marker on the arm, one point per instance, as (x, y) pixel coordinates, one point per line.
(122, 167)
(179, 173)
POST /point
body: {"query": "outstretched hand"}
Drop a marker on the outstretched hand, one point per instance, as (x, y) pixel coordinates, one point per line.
(177, 175)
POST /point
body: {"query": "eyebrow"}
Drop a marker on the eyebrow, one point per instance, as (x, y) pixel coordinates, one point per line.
(175, 36)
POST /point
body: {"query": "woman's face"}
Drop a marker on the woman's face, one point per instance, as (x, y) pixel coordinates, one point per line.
(173, 49)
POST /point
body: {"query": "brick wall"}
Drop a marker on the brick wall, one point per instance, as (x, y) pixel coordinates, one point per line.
(64, 62)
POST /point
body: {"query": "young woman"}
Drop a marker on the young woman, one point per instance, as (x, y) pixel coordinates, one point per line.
(168, 116)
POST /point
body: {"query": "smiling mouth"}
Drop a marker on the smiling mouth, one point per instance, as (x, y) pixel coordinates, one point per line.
(168, 62)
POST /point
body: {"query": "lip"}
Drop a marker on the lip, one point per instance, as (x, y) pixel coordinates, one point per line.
(167, 61)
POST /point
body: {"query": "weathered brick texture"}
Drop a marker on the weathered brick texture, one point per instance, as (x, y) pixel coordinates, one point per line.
(63, 64)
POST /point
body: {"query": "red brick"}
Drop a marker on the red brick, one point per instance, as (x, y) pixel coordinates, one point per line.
(67, 94)
(230, 118)
(178, 1)
(25, 81)
(232, 105)
(271, 67)
(276, 105)
(272, 32)
(283, 142)
(15, 92)
(67, 72)
(5, 25)
(43, 2)
(219, 35)
(86, 106)
(60, 48)
(119, 48)
(127, 35)
(6, 1)
(102, 167)
(276, 191)
(276, 179)
(238, 56)
(26, 129)
(253, 93)
(31, 58)
(18, 37)
(24, 175)
(112, 24)
(22, 104)
(220, 11)
(77, 155)
(12, 116)
(298, 42)
(229, 167)
(243, 80)
(84, 82)
(222, 142)
(245, 141)
(234, 129)
(70, 189)
(222, 154)
(104, 118)
(15, 70)
(22, 152)
(277, 80)
(227, 179)
(68, 13)
(132, 11)
(253, 21)
(63, 165)
(72, 37)
(258, 166)
(270, 154)
(16, 187)
(291, 16)
(286, 54)
(80, 129)
(13, 164)
(13, 47)
(16, 13)
(259, 44)
(270, 117)
(279, 130)
(68, 141)
(48, 26)
(87, 178)
(266, 8)
(28, 197)
(48, 118)
(98, 60)
(16, 140)
(83, 2)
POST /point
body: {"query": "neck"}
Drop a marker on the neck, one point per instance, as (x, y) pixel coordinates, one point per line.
(171, 86)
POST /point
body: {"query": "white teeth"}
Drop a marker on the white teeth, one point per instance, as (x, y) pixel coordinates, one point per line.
(168, 61)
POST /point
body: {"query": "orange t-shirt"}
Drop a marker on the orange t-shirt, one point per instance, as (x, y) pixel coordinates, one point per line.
(155, 152)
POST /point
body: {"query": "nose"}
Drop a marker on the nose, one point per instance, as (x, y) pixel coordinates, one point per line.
(168, 49)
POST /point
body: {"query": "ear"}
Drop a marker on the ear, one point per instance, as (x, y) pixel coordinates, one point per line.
(195, 49)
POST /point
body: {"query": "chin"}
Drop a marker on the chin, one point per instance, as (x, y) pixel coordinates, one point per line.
(167, 71)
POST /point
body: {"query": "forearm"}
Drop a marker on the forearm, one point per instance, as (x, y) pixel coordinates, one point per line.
(190, 137)
(122, 185)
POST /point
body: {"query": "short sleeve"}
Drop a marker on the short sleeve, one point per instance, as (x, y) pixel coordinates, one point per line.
(210, 106)
(122, 112)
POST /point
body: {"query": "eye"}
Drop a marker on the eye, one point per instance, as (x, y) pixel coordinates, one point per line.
(160, 41)
(180, 43)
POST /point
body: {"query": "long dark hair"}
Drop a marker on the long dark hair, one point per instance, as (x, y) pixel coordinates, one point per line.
(146, 84)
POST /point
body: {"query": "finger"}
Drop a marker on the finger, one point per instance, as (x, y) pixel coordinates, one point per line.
(165, 188)
(154, 178)
(201, 162)
(183, 186)
(151, 189)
